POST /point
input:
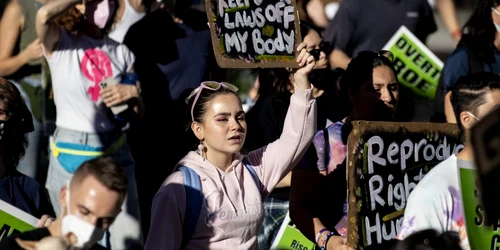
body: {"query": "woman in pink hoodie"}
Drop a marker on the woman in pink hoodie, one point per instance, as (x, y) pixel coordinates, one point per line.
(233, 185)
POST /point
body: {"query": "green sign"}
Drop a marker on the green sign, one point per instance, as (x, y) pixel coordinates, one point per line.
(418, 69)
(289, 237)
(480, 234)
(13, 220)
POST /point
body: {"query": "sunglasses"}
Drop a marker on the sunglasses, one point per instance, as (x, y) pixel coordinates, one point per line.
(211, 85)
(381, 53)
(323, 47)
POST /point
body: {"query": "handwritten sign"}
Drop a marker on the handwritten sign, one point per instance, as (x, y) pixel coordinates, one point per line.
(479, 184)
(14, 220)
(481, 233)
(254, 33)
(417, 67)
(289, 237)
(385, 163)
(486, 143)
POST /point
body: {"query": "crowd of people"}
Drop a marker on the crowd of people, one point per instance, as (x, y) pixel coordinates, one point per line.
(119, 131)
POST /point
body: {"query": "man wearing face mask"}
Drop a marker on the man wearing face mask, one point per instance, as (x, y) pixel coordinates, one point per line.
(90, 203)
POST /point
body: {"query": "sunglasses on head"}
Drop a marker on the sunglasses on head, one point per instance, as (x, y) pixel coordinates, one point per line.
(381, 53)
(210, 85)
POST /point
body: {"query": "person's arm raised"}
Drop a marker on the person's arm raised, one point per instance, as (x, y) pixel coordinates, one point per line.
(48, 31)
(306, 63)
(275, 160)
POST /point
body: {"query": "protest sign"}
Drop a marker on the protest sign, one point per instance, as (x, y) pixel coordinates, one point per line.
(418, 69)
(486, 144)
(481, 233)
(254, 33)
(289, 237)
(14, 220)
(385, 161)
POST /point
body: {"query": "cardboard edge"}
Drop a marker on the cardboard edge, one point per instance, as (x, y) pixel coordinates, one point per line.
(240, 63)
(394, 38)
(405, 31)
(410, 126)
(281, 232)
(352, 219)
(28, 218)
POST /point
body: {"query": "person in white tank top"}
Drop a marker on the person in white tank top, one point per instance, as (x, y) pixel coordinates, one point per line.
(127, 14)
(82, 58)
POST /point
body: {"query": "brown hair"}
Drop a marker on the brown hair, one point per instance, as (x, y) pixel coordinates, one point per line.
(71, 21)
(20, 124)
(107, 171)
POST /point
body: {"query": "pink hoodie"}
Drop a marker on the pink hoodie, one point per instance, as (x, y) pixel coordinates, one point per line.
(232, 212)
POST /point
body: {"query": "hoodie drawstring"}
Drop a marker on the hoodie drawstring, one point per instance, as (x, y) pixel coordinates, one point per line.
(241, 190)
(225, 193)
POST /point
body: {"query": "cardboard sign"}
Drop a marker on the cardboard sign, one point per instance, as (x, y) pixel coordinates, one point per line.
(486, 144)
(254, 33)
(481, 233)
(14, 220)
(289, 237)
(417, 67)
(385, 161)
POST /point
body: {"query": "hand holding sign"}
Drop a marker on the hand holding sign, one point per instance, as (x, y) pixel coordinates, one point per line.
(306, 63)
(45, 221)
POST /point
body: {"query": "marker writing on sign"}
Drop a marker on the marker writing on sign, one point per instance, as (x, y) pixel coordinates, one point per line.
(379, 227)
(238, 14)
(297, 245)
(480, 218)
(405, 151)
(7, 230)
(391, 193)
(419, 60)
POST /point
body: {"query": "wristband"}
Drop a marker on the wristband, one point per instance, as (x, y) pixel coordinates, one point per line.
(327, 237)
(320, 232)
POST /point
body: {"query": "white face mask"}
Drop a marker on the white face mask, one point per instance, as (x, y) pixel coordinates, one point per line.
(87, 234)
(497, 26)
(473, 116)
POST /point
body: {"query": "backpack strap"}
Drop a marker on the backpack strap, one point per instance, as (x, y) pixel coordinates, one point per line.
(255, 178)
(194, 198)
